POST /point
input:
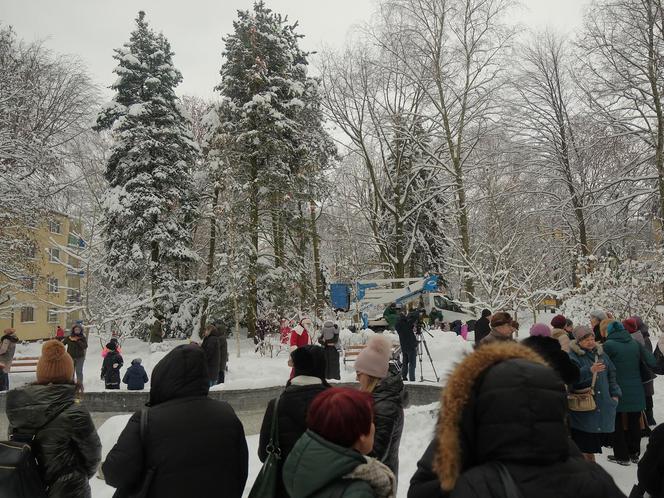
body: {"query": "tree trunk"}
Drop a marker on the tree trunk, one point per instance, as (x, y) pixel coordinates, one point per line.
(252, 307)
(320, 292)
(154, 265)
(469, 285)
(210, 260)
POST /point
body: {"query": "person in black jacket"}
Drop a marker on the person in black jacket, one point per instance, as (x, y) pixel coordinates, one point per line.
(406, 326)
(196, 445)
(387, 389)
(482, 326)
(547, 347)
(504, 406)
(110, 368)
(135, 377)
(67, 445)
(308, 382)
(212, 353)
(651, 466)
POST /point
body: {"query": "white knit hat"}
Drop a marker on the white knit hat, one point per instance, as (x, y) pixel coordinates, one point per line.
(374, 359)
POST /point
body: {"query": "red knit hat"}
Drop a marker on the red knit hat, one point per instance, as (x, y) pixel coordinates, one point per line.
(558, 322)
(631, 325)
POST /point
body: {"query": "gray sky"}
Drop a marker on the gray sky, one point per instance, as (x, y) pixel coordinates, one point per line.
(91, 29)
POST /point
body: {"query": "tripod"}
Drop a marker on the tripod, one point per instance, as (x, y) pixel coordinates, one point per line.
(421, 348)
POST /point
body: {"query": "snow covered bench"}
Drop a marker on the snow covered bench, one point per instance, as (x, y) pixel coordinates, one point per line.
(23, 364)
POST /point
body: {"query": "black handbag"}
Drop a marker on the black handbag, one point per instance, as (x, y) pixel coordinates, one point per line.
(265, 485)
(140, 491)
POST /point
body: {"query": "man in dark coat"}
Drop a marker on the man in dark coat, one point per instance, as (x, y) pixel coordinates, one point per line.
(212, 350)
(513, 415)
(307, 383)
(406, 326)
(195, 444)
(482, 326)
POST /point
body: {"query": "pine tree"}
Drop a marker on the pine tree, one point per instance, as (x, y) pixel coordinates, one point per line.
(150, 204)
(262, 116)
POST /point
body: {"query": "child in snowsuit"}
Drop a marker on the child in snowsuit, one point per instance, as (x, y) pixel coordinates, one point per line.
(110, 368)
(135, 377)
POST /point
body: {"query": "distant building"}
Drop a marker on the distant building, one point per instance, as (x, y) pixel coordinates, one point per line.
(51, 294)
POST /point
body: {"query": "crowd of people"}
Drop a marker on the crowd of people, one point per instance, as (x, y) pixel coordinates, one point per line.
(516, 419)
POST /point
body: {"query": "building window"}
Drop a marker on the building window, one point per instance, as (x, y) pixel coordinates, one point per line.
(73, 296)
(52, 315)
(27, 314)
(29, 283)
(72, 240)
(53, 287)
(54, 255)
(54, 226)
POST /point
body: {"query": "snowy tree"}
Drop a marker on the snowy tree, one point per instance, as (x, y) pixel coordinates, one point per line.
(272, 142)
(151, 204)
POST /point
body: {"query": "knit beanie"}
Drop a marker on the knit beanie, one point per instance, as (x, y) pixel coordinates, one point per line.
(558, 322)
(580, 332)
(540, 329)
(55, 366)
(112, 346)
(500, 318)
(136, 361)
(374, 359)
(631, 325)
(598, 315)
(309, 360)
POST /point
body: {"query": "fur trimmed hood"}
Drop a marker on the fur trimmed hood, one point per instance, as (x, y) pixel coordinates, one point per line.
(476, 407)
(574, 346)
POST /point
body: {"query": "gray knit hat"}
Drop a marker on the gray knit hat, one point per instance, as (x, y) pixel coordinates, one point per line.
(580, 332)
(598, 314)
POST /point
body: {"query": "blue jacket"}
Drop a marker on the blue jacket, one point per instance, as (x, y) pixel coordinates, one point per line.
(602, 419)
(135, 377)
(626, 354)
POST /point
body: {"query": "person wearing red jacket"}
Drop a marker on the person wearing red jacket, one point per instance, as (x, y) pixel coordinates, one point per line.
(300, 335)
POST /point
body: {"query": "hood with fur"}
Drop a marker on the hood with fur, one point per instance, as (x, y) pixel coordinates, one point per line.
(574, 346)
(501, 403)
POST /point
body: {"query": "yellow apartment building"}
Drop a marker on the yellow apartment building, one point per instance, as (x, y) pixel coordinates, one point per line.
(51, 296)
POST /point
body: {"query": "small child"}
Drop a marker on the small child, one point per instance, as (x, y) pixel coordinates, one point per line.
(135, 377)
(110, 368)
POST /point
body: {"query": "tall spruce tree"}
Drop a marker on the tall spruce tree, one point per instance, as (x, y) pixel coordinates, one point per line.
(150, 204)
(261, 120)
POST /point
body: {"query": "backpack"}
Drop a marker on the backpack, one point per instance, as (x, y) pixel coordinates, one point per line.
(19, 472)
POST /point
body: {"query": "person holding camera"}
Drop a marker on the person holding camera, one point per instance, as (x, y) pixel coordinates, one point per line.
(407, 327)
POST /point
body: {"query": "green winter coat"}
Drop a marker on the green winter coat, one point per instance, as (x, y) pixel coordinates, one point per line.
(391, 314)
(315, 469)
(626, 355)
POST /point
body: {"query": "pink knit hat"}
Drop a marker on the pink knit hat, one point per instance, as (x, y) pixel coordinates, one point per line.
(374, 359)
(540, 329)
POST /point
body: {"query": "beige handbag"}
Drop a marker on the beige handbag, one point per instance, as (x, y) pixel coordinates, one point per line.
(583, 400)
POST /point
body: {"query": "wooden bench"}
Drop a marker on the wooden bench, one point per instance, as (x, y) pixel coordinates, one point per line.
(351, 352)
(24, 364)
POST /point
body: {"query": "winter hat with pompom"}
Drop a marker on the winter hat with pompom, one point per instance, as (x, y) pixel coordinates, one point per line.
(55, 366)
(374, 360)
(540, 329)
(558, 322)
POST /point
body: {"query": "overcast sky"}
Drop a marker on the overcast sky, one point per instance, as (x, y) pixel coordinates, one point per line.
(91, 29)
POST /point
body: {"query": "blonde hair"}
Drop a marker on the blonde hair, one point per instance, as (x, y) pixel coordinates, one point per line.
(604, 325)
(373, 382)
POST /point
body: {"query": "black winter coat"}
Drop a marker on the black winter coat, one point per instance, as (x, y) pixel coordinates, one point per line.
(68, 448)
(482, 329)
(195, 444)
(405, 324)
(293, 405)
(76, 348)
(516, 416)
(549, 349)
(135, 377)
(109, 372)
(212, 354)
(651, 466)
(389, 400)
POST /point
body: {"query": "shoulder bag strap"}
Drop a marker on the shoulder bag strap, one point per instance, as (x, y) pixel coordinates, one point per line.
(511, 490)
(592, 384)
(273, 444)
